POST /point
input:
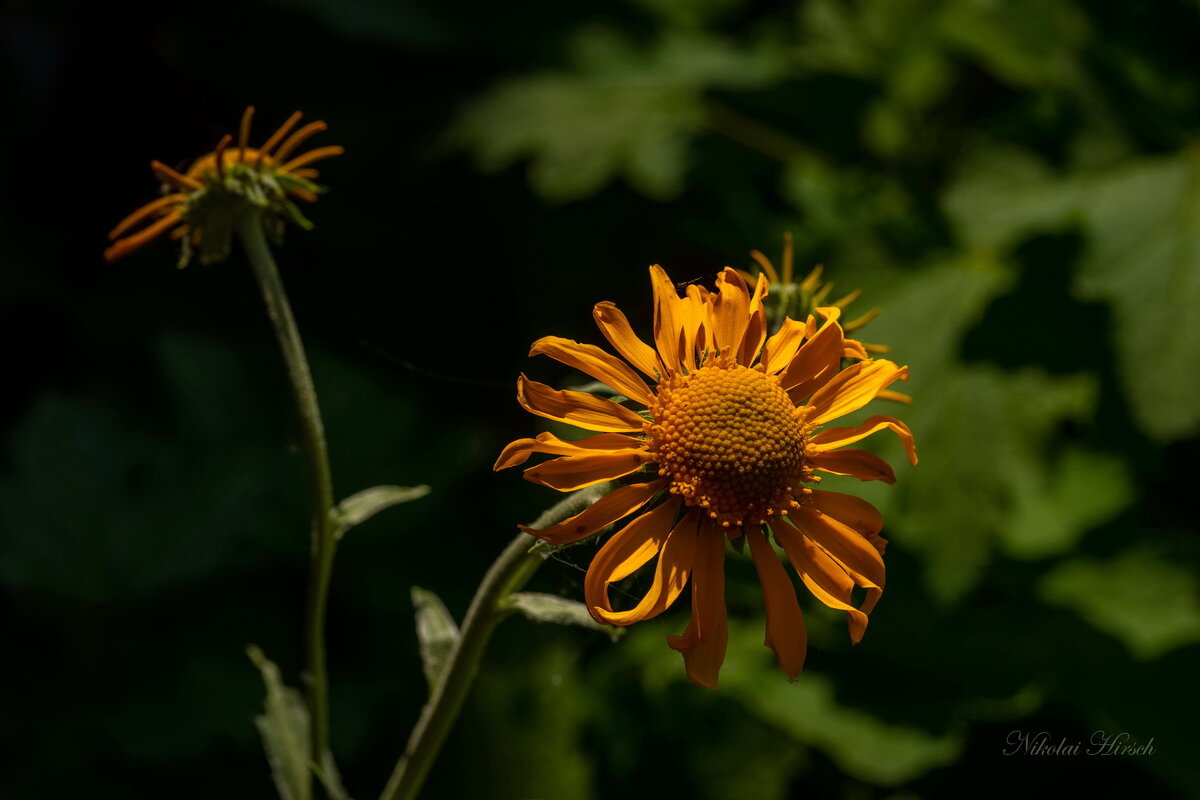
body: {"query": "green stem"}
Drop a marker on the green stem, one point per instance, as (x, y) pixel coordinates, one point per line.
(324, 541)
(508, 574)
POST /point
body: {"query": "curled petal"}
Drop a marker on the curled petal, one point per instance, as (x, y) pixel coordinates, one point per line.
(851, 548)
(518, 452)
(832, 438)
(627, 551)
(756, 325)
(576, 408)
(595, 362)
(613, 506)
(853, 388)
(781, 348)
(613, 323)
(703, 643)
(730, 311)
(675, 561)
(667, 324)
(861, 464)
(576, 472)
(786, 634)
(823, 576)
(817, 360)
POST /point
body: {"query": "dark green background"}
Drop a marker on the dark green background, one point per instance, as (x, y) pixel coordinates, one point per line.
(1016, 184)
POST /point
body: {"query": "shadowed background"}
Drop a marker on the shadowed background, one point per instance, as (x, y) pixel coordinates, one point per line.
(1016, 185)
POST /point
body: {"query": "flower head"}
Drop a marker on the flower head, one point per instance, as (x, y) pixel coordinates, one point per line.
(201, 206)
(729, 445)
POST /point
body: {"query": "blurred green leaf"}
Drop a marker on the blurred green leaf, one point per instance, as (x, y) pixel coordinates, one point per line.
(1149, 603)
(284, 728)
(1053, 511)
(437, 632)
(691, 13)
(1142, 221)
(541, 607)
(360, 507)
(622, 112)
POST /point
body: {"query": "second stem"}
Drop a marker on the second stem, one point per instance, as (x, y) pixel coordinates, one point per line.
(324, 540)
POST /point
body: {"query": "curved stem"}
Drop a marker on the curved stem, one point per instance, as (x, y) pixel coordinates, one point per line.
(509, 573)
(324, 541)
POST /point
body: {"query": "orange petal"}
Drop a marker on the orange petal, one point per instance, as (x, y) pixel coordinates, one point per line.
(124, 247)
(703, 643)
(765, 265)
(832, 438)
(821, 354)
(781, 348)
(756, 324)
(731, 311)
(853, 388)
(667, 325)
(693, 315)
(518, 452)
(576, 408)
(600, 365)
(786, 633)
(569, 473)
(823, 576)
(675, 561)
(851, 511)
(859, 464)
(856, 555)
(145, 211)
(613, 506)
(615, 326)
(627, 551)
(312, 156)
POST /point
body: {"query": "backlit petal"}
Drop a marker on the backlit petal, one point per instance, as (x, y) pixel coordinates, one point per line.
(853, 388)
(576, 472)
(576, 408)
(704, 642)
(627, 551)
(615, 326)
(600, 365)
(851, 548)
(832, 438)
(518, 452)
(861, 464)
(821, 574)
(786, 633)
(675, 561)
(613, 506)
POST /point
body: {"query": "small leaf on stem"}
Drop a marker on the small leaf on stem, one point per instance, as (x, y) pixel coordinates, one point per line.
(436, 631)
(360, 507)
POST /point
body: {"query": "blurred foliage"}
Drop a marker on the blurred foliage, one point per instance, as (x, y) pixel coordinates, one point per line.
(1014, 183)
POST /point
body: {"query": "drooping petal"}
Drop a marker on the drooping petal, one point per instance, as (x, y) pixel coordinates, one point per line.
(593, 361)
(613, 506)
(823, 576)
(832, 438)
(861, 464)
(851, 548)
(518, 452)
(851, 511)
(853, 388)
(576, 408)
(627, 551)
(613, 323)
(569, 473)
(786, 634)
(704, 642)
(756, 324)
(675, 561)
(781, 348)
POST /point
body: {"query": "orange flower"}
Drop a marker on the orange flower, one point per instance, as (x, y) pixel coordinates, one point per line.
(201, 206)
(731, 437)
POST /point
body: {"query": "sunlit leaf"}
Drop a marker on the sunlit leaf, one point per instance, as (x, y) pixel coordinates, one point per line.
(360, 507)
(437, 632)
(1149, 603)
(541, 607)
(284, 727)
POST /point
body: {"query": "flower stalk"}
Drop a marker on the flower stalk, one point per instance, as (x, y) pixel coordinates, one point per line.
(324, 539)
(507, 575)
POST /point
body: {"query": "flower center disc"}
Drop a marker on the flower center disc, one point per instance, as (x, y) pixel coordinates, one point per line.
(730, 441)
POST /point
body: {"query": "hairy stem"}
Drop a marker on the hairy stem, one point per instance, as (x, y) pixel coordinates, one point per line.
(508, 574)
(324, 541)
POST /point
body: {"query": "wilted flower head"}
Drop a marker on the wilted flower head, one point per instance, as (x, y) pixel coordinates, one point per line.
(201, 206)
(729, 445)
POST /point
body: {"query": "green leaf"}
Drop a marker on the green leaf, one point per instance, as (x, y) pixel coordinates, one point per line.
(1081, 491)
(1149, 603)
(1141, 217)
(358, 508)
(622, 112)
(284, 728)
(437, 632)
(541, 607)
